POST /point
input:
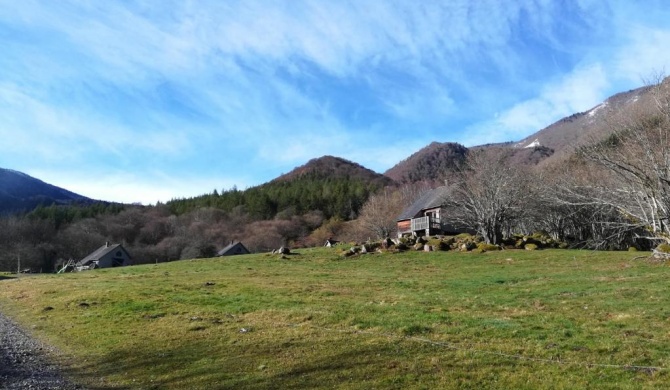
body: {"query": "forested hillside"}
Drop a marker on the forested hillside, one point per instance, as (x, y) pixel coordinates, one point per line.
(334, 186)
(432, 163)
(323, 193)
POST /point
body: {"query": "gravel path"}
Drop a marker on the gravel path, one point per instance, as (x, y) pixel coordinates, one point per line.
(23, 362)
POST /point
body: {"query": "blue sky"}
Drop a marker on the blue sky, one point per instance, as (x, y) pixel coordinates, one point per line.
(140, 101)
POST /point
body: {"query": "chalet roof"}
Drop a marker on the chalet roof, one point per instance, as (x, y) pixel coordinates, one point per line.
(99, 253)
(428, 200)
(230, 247)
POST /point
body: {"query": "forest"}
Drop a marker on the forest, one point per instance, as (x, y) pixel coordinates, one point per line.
(282, 212)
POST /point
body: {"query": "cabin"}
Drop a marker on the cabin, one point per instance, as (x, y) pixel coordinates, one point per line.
(424, 216)
(234, 248)
(106, 256)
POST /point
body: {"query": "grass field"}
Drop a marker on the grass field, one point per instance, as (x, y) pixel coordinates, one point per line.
(511, 319)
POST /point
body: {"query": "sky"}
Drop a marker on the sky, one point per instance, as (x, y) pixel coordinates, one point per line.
(150, 100)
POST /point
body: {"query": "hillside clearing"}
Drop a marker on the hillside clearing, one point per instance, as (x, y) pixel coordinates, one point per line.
(508, 319)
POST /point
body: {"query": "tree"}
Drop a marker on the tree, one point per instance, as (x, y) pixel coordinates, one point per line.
(488, 194)
(378, 215)
(633, 169)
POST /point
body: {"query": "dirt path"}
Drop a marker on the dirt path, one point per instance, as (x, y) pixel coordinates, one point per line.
(23, 362)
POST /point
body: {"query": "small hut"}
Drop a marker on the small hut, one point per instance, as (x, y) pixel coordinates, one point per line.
(234, 248)
(105, 257)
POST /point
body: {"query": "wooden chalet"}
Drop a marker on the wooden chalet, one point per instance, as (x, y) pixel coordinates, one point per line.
(424, 216)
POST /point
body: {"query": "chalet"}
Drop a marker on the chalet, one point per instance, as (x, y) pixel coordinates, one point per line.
(234, 248)
(423, 217)
(105, 257)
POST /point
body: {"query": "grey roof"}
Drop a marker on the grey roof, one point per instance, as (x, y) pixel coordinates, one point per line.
(428, 200)
(230, 247)
(99, 253)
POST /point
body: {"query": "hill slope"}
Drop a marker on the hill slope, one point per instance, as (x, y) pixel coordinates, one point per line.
(333, 168)
(432, 163)
(20, 192)
(332, 185)
(583, 127)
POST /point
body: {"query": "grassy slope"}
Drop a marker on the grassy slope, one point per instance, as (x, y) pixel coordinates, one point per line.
(411, 320)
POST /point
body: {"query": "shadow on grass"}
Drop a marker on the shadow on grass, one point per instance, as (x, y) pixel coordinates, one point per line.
(266, 366)
(5, 277)
(326, 363)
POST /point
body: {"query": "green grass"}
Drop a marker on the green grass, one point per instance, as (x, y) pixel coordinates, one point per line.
(509, 319)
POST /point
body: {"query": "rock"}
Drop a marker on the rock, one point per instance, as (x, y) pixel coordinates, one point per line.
(284, 251)
(427, 248)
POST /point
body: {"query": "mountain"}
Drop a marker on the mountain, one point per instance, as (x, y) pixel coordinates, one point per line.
(429, 164)
(334, 186)
(550, 145)
(580, 128)
(333, 168)
(20, 192)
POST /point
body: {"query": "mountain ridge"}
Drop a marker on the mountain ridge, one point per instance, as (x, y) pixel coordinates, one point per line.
(432, 163)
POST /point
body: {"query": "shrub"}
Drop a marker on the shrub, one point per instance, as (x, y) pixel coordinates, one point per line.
(663, 248)
(632, 249)
(530, 247)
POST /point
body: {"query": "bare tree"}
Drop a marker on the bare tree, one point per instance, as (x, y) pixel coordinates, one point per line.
(489, 195)
(378, 215)
(634, 168)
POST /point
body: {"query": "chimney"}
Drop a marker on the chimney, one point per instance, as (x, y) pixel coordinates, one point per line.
(106, 244)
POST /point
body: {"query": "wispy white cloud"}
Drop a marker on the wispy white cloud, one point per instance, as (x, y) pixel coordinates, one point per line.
(577, 92)
(196, 87)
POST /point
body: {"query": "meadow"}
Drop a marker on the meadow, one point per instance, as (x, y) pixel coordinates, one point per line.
(546, 319)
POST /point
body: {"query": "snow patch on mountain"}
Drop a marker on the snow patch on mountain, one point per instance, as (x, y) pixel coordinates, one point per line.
(533, 144)
(597, 108)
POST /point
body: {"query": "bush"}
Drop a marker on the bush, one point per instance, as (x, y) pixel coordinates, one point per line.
(632, 249)
(663, 248)
(530, 247)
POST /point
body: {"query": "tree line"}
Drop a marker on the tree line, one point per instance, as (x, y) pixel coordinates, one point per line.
(264, 218)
